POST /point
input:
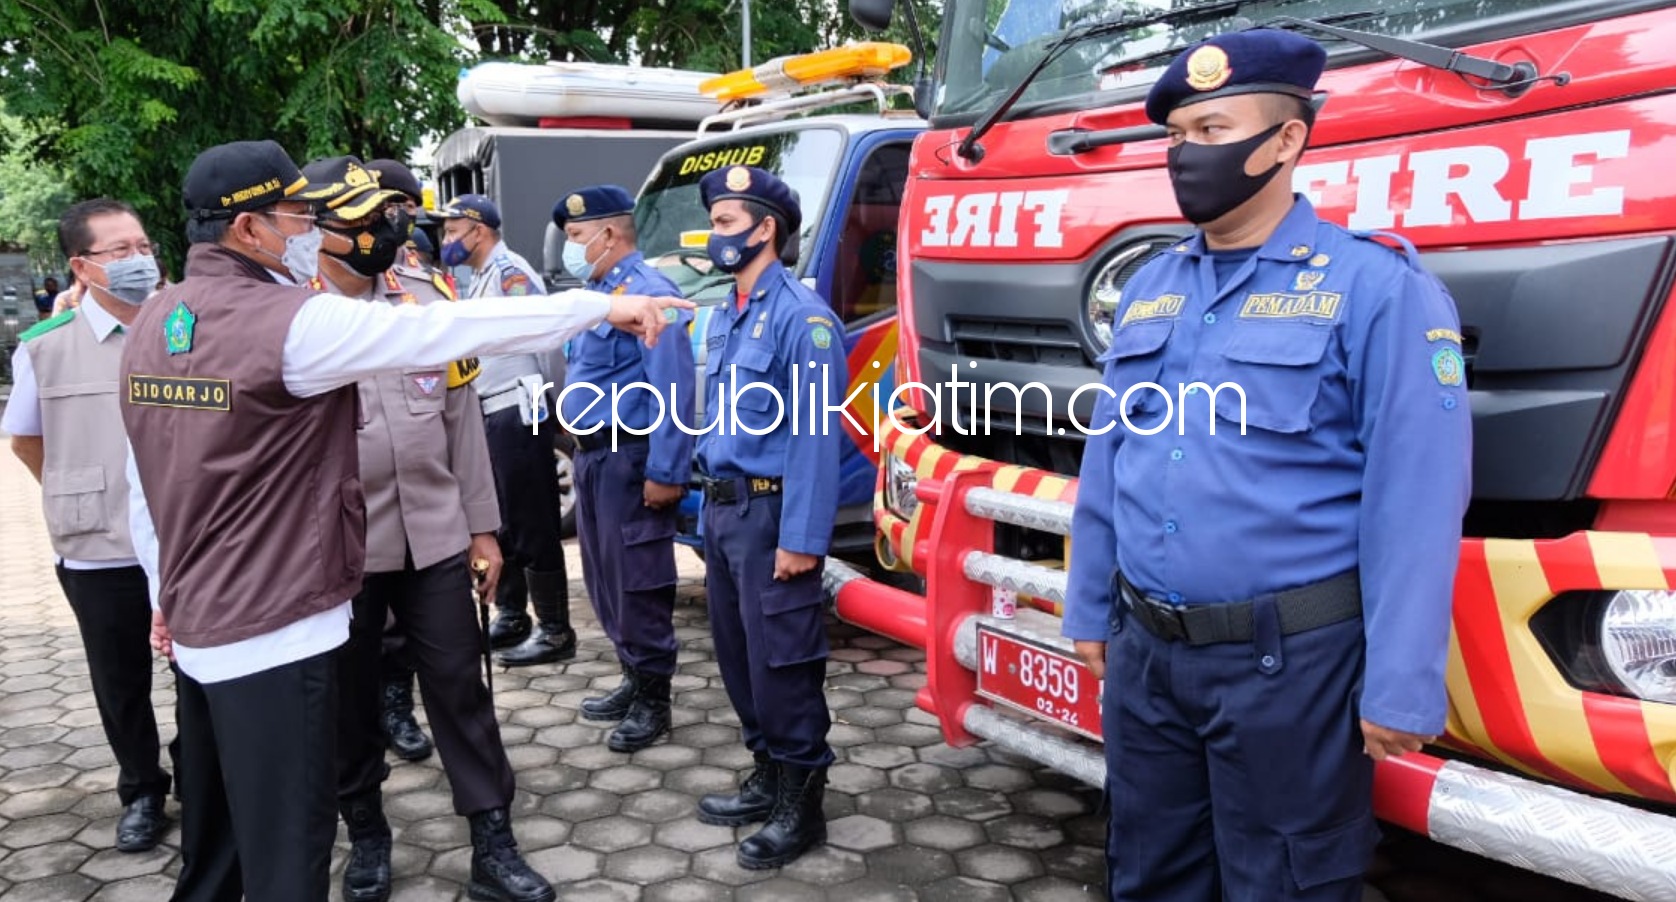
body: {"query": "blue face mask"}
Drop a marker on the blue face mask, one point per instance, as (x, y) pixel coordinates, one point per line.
(454, 252)
(133, 279)
(576, 258)
(731, 253)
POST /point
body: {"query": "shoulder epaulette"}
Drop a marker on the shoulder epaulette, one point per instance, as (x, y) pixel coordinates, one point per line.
(47, 325)
(1404, 246)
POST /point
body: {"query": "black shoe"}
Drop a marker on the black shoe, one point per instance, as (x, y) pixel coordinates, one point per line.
(509, 628)
(797, 825)
(614, 705)
(547, 645)
(754, 802)
(648, 716)
(401, 732)
(498, 872)
(366, 876)
(142, 826)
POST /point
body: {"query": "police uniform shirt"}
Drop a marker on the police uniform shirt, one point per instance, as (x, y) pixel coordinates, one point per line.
(506, 274)
(1356, 429)
(610, 358)
(782, 330)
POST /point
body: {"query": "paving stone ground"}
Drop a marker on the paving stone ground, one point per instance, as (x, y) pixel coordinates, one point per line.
(910, 817)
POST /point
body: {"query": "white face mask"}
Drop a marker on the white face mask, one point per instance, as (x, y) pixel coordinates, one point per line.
(576, 258)
(302, 253)
(131, 280)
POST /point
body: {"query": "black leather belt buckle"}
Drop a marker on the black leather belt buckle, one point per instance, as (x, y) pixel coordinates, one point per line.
(763, 486)
(1165, 621)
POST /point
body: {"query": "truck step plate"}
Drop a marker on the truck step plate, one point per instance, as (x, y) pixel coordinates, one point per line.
(1039, 680)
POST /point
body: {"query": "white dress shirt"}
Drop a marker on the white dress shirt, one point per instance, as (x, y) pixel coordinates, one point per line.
(23, 411)
(336, 341)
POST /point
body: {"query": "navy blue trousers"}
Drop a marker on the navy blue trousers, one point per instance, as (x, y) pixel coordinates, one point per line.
(1227, 782)
(770, 635)
(628, 556)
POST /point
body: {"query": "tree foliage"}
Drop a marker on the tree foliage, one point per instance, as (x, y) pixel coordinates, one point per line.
(32, 194)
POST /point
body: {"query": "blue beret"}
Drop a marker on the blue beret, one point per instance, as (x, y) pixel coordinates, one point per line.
(1256, 61)
(475, 207)
(753, 184)
(421, 242)
(598, 202)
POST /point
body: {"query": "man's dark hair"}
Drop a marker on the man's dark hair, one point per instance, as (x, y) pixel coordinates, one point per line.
(74, 236)
(785, 241)
(50, 280)
(207, 231)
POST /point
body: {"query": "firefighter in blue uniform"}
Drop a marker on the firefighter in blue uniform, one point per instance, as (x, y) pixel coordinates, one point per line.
(633, 463)
(1277, 618)
(770, 501)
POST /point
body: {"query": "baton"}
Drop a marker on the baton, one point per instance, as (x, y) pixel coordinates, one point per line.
(480, 568)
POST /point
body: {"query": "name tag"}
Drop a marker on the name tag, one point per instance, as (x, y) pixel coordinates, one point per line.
(1309, 305)
(1163, 307)
(186, 392)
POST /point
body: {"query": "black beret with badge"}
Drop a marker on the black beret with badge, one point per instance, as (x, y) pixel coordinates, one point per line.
(597, 202)
(234, 178)
(753, 184)
(1255, 61)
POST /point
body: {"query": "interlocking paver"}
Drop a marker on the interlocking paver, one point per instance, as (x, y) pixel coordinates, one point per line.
(647, 865)
(612, 834)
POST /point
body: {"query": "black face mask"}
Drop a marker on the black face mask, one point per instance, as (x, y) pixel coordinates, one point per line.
(1210, 180)
(375, 246)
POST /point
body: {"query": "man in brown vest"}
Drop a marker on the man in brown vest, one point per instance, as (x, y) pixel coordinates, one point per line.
(247, 509)
(66, 427)
(430, 494)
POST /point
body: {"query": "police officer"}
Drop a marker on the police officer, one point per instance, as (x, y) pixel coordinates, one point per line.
(66, 427)
(514, 402)
(769, 506)
(431, 507)
(402, 732)
(1278, 616)
(246, 508)
(632, 467)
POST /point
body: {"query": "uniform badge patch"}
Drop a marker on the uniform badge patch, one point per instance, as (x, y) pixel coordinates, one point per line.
(1208, 69)
(821, 337)
(515, 284)
(738, 178)
(1320, 260)
(1448, 366)
(1300, 251)
(364, 242)
(670, 314)
(1444, 335)
(1308, 280)
(575, 205)
(427, 384)
(178, 328)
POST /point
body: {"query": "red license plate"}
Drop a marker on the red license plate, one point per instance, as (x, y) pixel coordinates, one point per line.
(1039, 680)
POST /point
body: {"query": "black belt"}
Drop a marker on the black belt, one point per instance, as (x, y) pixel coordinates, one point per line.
(732, 491)
(1330, 601)
(600, 439)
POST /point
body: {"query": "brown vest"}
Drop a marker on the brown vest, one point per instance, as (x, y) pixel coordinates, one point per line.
(255, 492)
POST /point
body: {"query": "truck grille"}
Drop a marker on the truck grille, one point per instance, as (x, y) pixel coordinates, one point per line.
(1049, 343)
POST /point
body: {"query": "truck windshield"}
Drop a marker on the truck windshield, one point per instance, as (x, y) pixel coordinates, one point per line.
(670, 205)
(993, 43)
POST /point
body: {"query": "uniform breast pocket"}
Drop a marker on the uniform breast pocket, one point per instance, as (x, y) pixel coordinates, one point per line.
(74, 500)
(757, 405)
(1278, 369)
(604, 348)
(1136, 357)
(426, 391)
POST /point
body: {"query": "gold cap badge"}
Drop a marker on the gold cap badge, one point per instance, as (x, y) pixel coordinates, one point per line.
(1208, 69)
(738, 178)
(356, 177)
(575, 205)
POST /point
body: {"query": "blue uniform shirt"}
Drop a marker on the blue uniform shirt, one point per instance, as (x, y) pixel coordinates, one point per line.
(788, 339)
(1356, 452)
(612, 359)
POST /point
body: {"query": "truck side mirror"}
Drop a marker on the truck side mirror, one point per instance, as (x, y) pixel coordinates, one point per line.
(872, 15)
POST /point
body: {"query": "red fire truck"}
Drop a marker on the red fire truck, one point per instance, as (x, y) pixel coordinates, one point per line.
(1528, 147)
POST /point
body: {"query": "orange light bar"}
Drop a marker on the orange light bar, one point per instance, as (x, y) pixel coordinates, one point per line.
(787, 74)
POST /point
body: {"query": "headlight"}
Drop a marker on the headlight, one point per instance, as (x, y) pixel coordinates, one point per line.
(1638, 637)
(900, 481)
(1106, 292)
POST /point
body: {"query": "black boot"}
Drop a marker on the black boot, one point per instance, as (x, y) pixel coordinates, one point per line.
(511, 624)
(614, 705)
(498, 872)
(401, 731)
(754, 802)
(553, 640)
(142, 825)
(366, 876)
(797, 824)
(648, 716)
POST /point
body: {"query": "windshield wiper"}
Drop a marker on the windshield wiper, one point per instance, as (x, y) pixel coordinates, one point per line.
(1512, 79)
(970, 148)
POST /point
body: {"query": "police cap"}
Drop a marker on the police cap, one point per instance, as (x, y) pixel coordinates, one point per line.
(598, 202)
(753, 184)
(345, 189)
(421, 242)
(474, 207)
(1255, 61)
(397, 177)
(229, 179)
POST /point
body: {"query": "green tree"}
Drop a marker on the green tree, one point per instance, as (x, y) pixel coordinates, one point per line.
(32, 194)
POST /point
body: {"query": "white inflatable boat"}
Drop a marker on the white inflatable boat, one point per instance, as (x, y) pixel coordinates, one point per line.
(521, 94)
